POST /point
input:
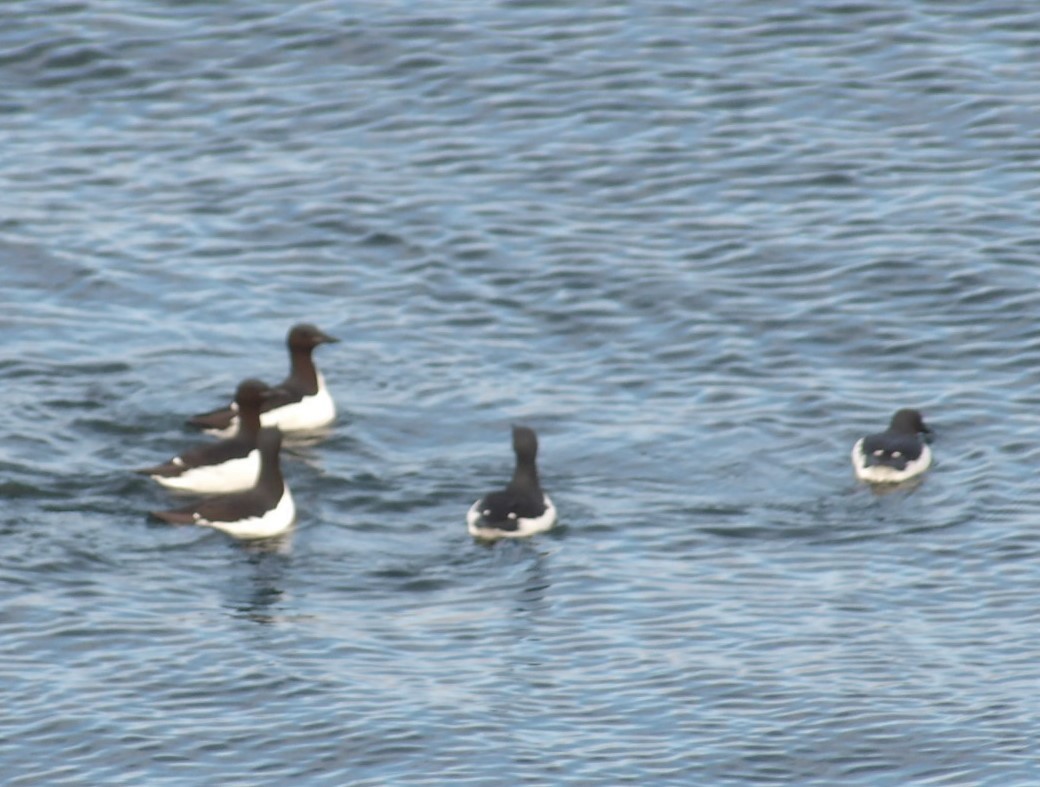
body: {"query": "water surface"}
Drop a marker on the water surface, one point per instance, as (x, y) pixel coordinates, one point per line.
(700, 250)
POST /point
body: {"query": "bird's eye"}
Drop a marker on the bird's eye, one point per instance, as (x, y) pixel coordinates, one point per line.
(512, 515)
(879, 452)
(897, 454)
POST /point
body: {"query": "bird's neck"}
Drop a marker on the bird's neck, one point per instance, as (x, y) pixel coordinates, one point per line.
(303, 370)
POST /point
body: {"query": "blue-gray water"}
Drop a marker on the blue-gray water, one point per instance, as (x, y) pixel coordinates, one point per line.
(701, 248)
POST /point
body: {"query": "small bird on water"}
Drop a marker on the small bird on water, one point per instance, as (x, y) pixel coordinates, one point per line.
(265, 510)
(897, 454)
(228, 466)
(301, 402)
(522, 508)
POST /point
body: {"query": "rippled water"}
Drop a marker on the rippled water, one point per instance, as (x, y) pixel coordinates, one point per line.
(700, 250)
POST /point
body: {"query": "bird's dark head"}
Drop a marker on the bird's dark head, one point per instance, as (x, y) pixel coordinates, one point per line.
(907, 421)
(251, 393)
(525, 442)
(305, 336)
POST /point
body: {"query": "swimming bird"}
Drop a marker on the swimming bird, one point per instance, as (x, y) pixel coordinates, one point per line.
(897, 454)
(301, 402)
(228, 466)
(263, 511)
(522, 508)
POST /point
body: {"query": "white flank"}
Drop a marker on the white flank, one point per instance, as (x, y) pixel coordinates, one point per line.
(272, 523)
(311, 412)
(882, 474)
(525, 526)
(233, 476)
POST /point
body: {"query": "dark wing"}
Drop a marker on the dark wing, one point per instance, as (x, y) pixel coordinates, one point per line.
(216, 453)
(215, 419)
(891, 450)
(176, 517)
(281, 395)
(166, 470)
(197, 456)
(226, 508)
(502, 509)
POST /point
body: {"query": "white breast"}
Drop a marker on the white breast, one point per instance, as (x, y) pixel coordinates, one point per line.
(272, 523)
(232, 476)
(311, 412)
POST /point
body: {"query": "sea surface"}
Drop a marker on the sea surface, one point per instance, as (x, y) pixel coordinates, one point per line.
(700, 248)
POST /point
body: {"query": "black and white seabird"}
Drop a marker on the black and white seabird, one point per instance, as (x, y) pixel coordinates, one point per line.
(897, 454)
(300, 403)
(231, 465)
(263, 511)
(522, 508)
